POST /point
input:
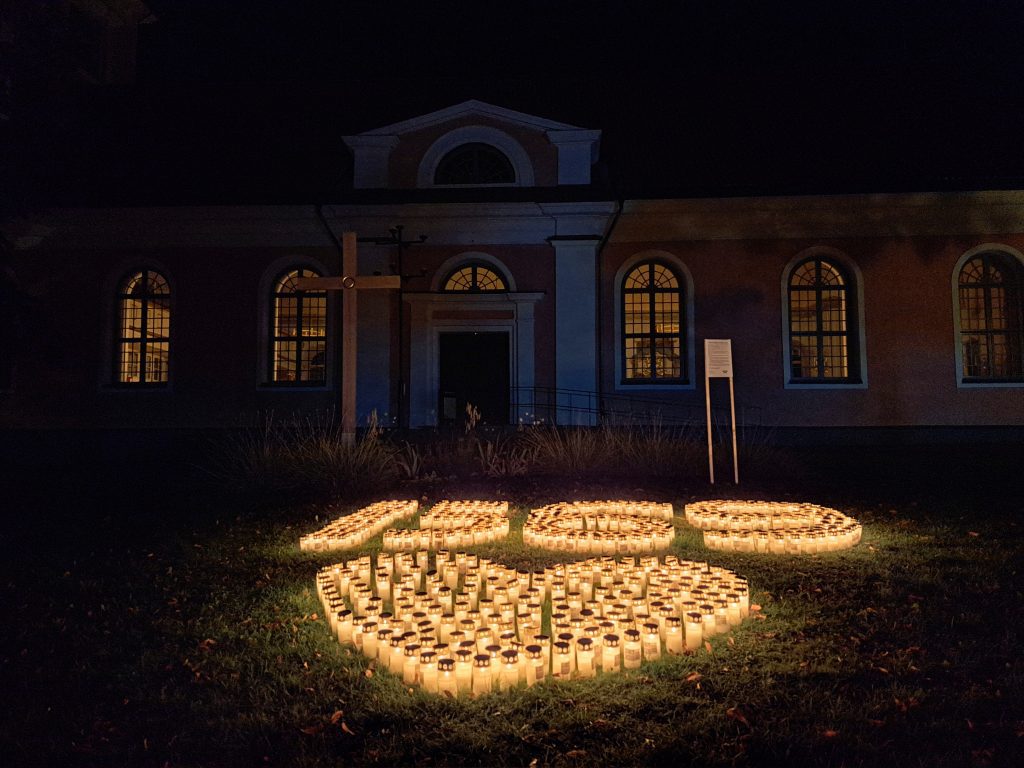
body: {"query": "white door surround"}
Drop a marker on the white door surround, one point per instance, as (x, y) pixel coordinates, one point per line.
(434, 313)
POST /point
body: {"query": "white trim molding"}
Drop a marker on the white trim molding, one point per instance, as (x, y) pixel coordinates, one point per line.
(482, 134)
(435, 313)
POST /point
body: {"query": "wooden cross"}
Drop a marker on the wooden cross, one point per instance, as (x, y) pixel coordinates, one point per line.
(351, 284)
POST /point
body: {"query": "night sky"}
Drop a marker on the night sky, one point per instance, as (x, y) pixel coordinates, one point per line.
(246, 102)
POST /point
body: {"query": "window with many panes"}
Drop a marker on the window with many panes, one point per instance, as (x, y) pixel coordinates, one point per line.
(143, 329)
(298, 332)
(653, 347)
(990, 288)
(822, 324)
(473, 164)
(475, 278)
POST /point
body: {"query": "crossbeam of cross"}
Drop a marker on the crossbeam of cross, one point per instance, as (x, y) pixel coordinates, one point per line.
(350, 284)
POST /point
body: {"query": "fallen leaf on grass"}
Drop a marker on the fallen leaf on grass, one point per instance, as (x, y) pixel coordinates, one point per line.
(575, 754)
(733, 713)
(973, 534)
(707, 644)
(346, 729)
(829, 734)
(312, 730)
(693, 676)
(338, 714)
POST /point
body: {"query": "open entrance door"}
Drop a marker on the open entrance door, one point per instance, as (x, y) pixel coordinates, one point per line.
(474, 369)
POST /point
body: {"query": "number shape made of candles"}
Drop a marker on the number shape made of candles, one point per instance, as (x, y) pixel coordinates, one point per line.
(362, 525)
(453, 524)
(601, 527)
(772, 526)
(461, 625)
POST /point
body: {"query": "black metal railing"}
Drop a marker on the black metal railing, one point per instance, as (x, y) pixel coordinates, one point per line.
(550, 405)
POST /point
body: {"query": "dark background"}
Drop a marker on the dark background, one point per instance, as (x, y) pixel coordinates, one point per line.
(246, 102)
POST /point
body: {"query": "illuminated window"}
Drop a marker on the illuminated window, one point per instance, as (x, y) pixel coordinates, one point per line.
(653, 349)
(475, 163)
(822, 320)
(143, 329)
(990, 290)
(475, 278)
(298, 332)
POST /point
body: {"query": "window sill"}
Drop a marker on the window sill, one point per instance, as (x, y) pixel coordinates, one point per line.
(990, 384)
(679, 386)
(798, 384)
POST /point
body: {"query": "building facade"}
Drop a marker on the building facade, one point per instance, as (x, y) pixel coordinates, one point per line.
(526, 291)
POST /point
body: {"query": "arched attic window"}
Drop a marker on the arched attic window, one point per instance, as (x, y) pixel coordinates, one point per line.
(475, 164)
(474, 278)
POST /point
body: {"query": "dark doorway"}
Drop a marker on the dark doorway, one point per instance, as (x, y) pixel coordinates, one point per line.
(474, 369)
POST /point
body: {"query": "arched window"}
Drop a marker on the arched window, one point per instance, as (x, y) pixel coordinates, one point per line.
(143, 329)
(823, 334)
(653, 348)
(473, 164)
(475, 278)
(990, 290)
(298, 332)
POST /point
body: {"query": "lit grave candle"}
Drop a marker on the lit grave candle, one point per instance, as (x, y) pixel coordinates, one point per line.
(360, 526)
(600, 527)
(607, 614)
(773, 527)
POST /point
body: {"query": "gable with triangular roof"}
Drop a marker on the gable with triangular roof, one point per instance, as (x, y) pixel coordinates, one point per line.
(473, 144)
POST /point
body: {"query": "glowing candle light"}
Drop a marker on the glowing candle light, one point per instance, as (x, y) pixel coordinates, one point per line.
(694, 628)
(610, 654)
(446, 682)
(509, 669)
(428, 671)
(631, 649)
(651, 642)
(673, 636)
(585, 657)
(562, 660)
(464, 670)
(536, 669)
(481, 674)
(410, 666)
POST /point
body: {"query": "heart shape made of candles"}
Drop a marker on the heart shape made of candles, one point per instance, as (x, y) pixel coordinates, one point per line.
(460, 624)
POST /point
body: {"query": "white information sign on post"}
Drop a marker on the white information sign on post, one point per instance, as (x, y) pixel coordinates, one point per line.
(718, 365)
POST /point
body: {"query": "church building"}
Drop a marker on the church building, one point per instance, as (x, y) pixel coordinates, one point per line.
(524, 290)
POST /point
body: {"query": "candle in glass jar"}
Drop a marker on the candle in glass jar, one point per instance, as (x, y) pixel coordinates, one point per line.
(446, 682)
(651, 641)
(536, 669)
(481, 674)
(344, 626)
(428, 671)
(673, 635)
(369, 635)
(410, 666)
(509, 669)
(631, 649)
(694, 630)
(610, 654)
(585, 666)
(562, 660)
(464, 670)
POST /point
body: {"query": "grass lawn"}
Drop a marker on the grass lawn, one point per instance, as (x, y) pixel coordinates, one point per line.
(175, 624)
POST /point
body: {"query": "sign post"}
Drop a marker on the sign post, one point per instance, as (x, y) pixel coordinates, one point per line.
(718, 364)
(351, 284)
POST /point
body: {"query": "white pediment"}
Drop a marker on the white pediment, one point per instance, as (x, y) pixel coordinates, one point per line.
(577, 148)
